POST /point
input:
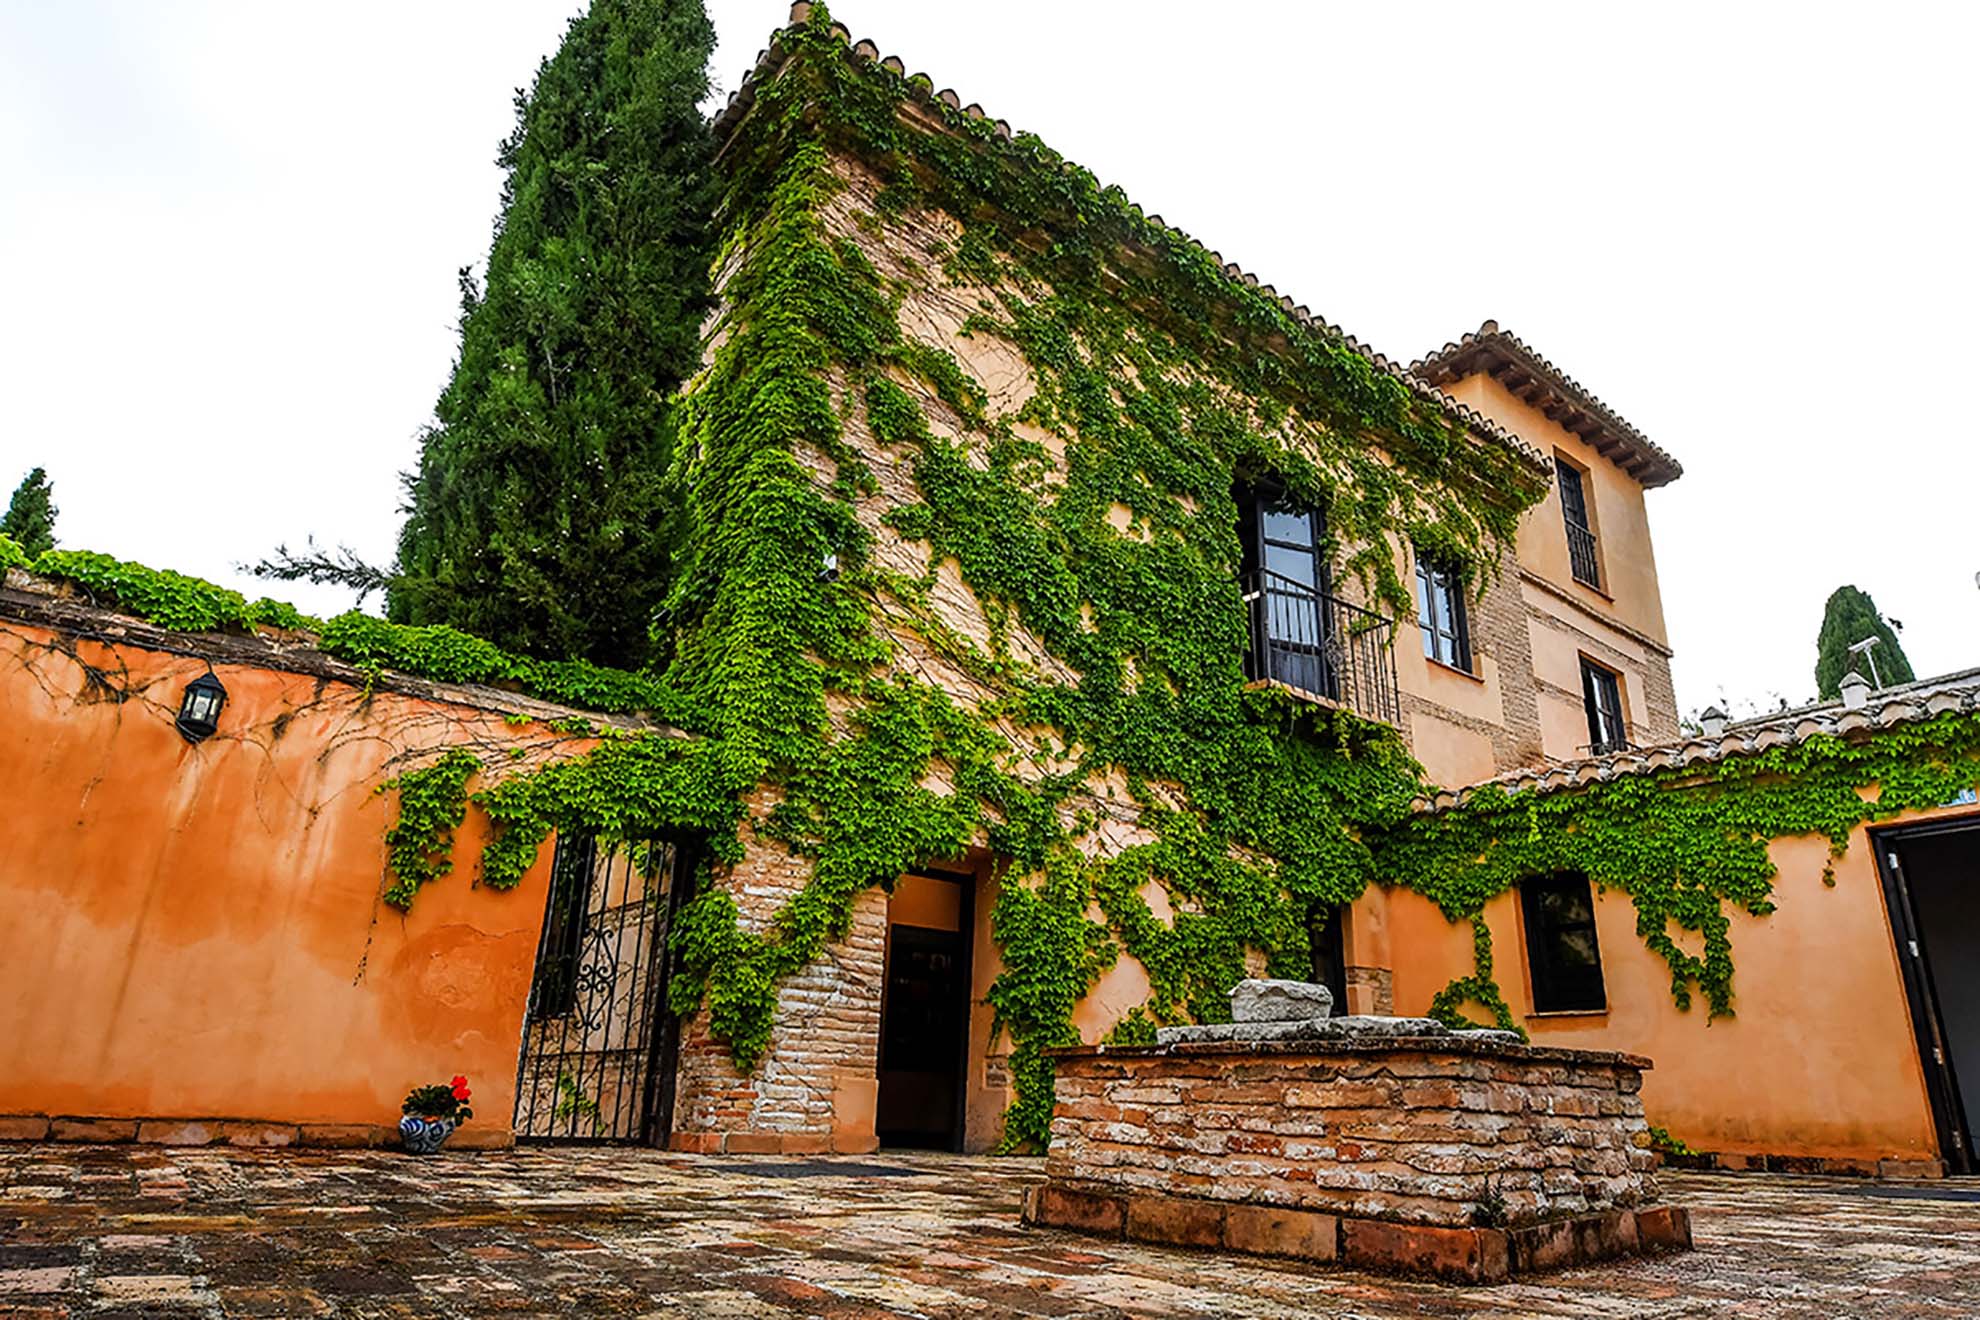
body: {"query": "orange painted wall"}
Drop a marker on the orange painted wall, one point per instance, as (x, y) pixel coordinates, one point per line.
(196, 932)
(1819, 1058)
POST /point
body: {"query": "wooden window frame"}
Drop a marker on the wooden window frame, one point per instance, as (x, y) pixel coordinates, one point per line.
(1440, 584)
(1557, 988)
(1594, 675)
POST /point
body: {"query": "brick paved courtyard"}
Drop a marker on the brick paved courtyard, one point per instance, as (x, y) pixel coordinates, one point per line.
(133, 1231)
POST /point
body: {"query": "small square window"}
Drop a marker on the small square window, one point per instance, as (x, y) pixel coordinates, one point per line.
(1561, 952)
(1440, 613)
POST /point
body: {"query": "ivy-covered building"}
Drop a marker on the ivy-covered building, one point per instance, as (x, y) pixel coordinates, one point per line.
(1067, 625)
(1154, 564)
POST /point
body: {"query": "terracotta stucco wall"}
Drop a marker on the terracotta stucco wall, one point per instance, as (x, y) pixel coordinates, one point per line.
(196, 932)
(1819, 1058)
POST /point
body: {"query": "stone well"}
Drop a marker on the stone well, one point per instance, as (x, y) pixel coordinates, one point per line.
(1380, 1143)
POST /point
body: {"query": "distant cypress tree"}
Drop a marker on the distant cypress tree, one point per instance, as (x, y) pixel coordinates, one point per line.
(1850, 617)
(30, 519)
(538, 516)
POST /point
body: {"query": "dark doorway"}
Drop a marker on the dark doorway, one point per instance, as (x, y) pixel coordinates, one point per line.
(1932, 882)
(924, 1013)
(1327, 942)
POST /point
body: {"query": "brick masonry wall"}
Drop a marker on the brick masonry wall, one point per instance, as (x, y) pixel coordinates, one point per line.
(813, 1089)
(1499, 629)
(1416, 1132)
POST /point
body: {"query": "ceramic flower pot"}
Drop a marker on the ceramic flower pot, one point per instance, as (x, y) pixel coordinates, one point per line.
(424, 1136)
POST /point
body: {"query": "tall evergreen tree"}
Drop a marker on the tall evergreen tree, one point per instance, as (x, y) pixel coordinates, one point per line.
(30, 518)
(538, 515)
(1850, 617)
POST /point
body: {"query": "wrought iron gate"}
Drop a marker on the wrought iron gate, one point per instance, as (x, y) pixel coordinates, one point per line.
(598, 1042)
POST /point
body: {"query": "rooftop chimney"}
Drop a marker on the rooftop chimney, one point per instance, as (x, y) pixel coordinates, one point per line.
(1855, 690)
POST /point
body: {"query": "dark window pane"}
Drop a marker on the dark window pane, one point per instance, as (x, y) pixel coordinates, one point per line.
(1574, 498)
(1440, 614)
(1601, 694)
(1564, 957)
(1289, 525)
(1286, 561)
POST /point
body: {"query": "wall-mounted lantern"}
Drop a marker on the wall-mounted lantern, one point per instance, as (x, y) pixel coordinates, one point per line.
(829, 570)
(199, 708)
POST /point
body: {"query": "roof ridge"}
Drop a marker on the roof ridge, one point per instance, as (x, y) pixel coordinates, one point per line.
(920, 84)
(1490, 332)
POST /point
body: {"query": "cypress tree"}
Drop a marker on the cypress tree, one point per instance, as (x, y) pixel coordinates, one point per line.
(30, 518)
(538, 515)
(1850, 617)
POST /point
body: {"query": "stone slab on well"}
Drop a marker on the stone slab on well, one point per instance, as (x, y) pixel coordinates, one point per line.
(1280, 1001)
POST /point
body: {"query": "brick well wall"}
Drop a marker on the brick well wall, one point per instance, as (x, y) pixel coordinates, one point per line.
(1409, 1132)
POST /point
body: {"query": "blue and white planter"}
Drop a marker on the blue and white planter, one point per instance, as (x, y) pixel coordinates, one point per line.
(424, 1136)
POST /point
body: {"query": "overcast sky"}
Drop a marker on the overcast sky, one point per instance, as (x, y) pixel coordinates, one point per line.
(232, 231)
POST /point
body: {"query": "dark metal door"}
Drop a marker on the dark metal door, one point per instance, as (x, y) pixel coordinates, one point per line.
(598, 1043)
(1931, 876)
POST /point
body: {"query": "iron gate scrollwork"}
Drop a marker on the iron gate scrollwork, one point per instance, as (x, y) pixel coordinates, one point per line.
(597, 1041)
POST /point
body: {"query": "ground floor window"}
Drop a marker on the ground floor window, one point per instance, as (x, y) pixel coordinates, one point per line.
(1565, 961)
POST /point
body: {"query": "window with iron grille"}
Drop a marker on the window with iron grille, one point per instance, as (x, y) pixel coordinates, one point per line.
(1284, 546)
(1561, 952)
(1601, 695)
(1440, 613)
(1582, 558)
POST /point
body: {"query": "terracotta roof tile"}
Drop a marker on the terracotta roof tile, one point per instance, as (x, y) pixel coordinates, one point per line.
(771, 58)
(1890, 708)
(1507, 358)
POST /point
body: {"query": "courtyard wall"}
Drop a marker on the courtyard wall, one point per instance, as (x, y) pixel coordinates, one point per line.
(196, 931)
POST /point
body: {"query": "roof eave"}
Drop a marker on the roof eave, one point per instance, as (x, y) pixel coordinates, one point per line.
(1564, 401)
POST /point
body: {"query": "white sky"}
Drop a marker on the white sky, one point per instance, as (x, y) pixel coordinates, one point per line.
(232, 231)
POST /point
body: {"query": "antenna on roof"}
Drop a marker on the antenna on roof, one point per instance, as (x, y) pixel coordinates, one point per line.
(1863, 648)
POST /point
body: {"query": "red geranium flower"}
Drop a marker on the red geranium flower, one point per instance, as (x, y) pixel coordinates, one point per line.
(460, 1088)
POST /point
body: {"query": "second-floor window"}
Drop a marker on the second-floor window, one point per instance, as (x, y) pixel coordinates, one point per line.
(1440, 613)
(1284, 544)
(1601, 695)
(1582, 559)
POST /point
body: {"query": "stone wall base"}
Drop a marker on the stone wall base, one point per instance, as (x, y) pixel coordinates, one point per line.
(774, 1143)
(1467, 1255)
(1740, 1162)
(231, 1132)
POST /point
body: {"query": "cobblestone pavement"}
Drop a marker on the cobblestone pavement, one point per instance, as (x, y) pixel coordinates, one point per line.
(129, 1231)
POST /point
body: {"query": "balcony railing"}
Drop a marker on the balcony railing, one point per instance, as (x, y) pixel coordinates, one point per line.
(1586, 567)
(1322, 646)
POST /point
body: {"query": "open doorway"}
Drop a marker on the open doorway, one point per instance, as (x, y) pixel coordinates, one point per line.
(1932, 883)
(924, 1012)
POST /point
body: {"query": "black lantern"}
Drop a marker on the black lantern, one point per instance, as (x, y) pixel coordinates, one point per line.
(199, 709)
